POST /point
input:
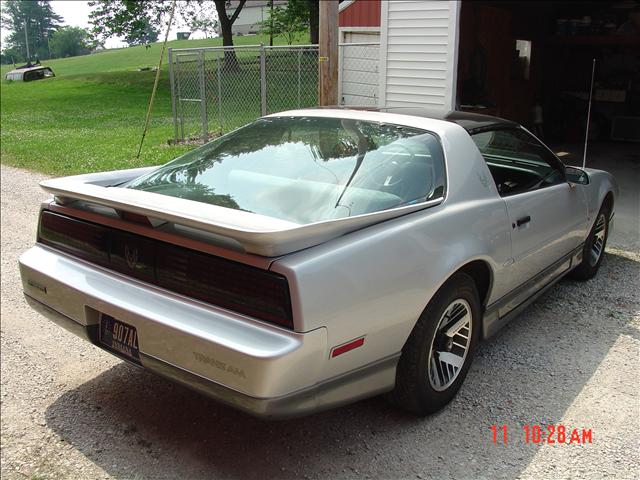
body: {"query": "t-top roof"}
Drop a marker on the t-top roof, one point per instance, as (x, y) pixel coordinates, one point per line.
(471, 122)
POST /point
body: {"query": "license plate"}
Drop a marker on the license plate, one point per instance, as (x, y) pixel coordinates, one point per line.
(119, 337)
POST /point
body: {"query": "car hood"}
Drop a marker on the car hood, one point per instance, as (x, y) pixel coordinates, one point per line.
(257, 234)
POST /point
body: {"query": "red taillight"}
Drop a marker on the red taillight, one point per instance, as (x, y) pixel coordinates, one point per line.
(81, 239)
(232, 285)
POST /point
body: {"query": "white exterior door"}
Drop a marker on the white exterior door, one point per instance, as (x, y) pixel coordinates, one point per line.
(359, 71)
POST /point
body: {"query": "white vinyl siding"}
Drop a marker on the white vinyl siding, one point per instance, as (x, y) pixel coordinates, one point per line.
(419, 53)
(359, 66)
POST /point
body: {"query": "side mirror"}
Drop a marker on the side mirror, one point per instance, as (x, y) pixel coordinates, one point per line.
(576, 176)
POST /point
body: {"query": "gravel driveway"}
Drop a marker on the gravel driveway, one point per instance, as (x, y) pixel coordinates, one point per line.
(70, 410)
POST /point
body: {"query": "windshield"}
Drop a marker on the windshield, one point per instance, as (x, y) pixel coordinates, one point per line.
(307, 169)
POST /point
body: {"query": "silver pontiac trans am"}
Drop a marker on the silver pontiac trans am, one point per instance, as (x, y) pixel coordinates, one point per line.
(316, 257)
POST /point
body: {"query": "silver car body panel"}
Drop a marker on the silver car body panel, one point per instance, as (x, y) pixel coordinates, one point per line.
(201, 336)
(367, 277)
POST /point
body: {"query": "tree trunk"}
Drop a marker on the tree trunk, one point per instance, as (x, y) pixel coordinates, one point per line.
(313, 21)
(230, 59)
(226, 22)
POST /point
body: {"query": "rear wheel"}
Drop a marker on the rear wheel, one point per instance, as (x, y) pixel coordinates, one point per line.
(438, 353)
(594, 246)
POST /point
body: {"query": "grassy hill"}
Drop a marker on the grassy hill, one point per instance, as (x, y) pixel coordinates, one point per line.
(131, 58)
(90, 117)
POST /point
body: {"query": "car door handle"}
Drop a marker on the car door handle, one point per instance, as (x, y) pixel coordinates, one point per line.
(523, 220)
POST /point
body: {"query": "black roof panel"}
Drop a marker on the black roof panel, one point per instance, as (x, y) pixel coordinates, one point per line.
(471, 122)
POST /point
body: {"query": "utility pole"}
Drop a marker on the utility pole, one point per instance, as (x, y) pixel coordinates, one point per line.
(271, 23)
(328, 53)
(26, 39)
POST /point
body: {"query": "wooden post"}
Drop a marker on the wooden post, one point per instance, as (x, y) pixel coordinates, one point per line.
(328, 54)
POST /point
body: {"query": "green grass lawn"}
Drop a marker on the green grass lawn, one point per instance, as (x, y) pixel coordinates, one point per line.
(134, 57)
(90, 117)
(75, 125)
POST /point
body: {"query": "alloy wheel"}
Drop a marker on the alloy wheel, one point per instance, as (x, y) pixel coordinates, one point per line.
(450, 344)
(599, 234)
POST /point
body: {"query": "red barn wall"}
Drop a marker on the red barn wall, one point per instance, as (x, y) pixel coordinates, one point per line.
(361, 13)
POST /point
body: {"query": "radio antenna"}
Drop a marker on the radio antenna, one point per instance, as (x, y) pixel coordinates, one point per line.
(586, 133)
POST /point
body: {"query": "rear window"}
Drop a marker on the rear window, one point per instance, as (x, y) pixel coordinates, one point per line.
(307, 169)
(38, 74)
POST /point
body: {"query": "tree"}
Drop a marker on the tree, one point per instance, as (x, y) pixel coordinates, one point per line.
(143, 35)
(314, 20)
(128, 18)
(39, 20)
(10, 56)
(131, 19)
(289, 21)
(202, 17)
(207, 25)
(226, 22)
(69, 42)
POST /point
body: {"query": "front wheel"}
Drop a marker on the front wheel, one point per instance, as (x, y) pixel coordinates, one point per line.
(593, 251)
(438, 353)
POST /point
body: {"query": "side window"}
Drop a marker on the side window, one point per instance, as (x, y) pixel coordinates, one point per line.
(517, 161)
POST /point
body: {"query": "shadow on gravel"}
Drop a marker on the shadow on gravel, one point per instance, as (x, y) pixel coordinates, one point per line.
(135, 425)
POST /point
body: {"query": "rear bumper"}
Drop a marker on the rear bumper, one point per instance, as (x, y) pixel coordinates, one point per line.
(263, 370)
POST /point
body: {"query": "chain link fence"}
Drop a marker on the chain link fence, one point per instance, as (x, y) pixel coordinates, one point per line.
(217, 89)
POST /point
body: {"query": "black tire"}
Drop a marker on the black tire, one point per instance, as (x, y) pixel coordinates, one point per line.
(414, 391)
(590, 265)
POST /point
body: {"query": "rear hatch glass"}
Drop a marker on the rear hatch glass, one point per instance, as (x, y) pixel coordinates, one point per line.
(307, 169)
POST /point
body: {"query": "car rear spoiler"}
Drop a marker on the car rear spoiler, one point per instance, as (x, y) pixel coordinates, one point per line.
(258, 234)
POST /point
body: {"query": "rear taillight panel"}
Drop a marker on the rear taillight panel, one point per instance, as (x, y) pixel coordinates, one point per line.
(218, 281)
(132, 255)
(81, 239)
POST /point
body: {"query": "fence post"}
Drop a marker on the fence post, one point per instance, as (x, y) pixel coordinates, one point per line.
(179, 93)
(173, 97)
(299, 74)
(341, 50)
(218, 66)
(263, 81)
(203, 99)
